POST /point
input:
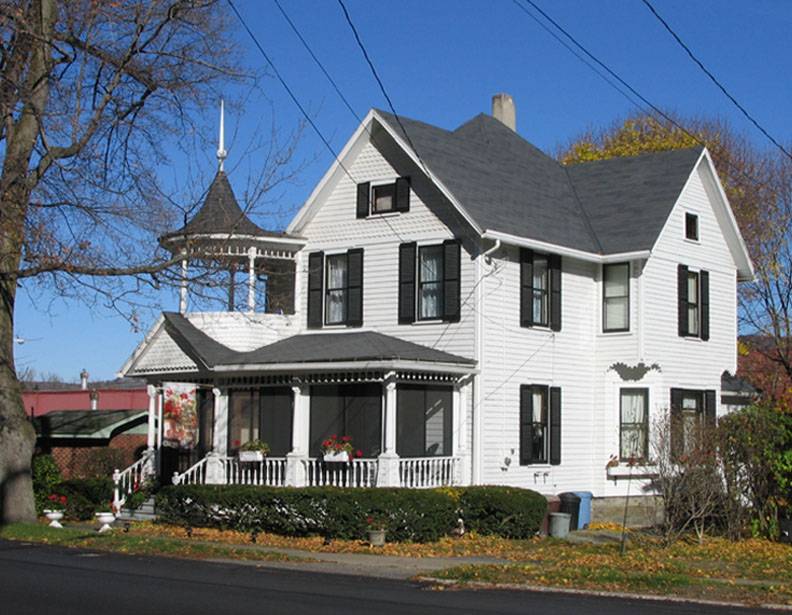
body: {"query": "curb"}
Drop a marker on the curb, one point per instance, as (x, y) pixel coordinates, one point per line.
(600, 593)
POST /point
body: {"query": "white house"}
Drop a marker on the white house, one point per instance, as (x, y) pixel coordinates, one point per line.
(463, 307)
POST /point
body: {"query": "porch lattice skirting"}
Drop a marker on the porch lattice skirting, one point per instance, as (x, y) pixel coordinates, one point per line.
(414, 473)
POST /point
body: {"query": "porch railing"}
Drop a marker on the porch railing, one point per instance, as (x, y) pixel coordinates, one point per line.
(194, 475)
(359, 473)
(270, 472)
(426, 472)
(124, 481)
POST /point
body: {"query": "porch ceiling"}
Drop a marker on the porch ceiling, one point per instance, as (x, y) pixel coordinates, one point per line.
(305, 352)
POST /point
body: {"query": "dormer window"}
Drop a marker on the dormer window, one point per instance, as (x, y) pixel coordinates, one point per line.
(691, 227)
(383, 198)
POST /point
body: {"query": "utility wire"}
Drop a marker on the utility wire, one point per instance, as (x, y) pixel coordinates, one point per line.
(714, 80)
(647, 102)
(318, 63)
(381, 85)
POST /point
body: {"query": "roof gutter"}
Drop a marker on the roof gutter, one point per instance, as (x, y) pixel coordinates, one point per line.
(544, 246)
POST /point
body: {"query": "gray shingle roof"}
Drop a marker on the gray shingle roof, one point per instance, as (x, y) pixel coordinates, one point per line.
(221, 214)
(508, 185)
(305, 348)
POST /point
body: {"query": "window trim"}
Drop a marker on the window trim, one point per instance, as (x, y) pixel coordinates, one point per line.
(419, 283)
(691, 216)
(344, 289)
(627, 296)
(696, 304)
(644, 391)
(373, 198)
(545, 423)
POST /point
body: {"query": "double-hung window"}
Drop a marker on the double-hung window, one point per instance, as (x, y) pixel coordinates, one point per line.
(335, 289)
(693, 302)
(336, 297)
(634, 430)
(540, 424)
(430, 282)
(540, 290)
(616, 297)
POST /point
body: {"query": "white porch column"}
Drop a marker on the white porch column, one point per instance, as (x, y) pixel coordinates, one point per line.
(183, 285)
(159, 420)
(251, 280)
(296, 460)
(151, 434)
(460, 437)
(215, 465)
(388, 461)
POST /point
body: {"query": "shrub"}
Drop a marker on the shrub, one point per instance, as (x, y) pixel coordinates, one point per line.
(509, 512)
(46, 475)
(407, 514)
(85, 496)
(100, 463)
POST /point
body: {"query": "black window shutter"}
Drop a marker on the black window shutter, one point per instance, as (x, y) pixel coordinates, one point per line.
(526, 427)
(676, 423)
(704, 292)
(555, 426)
(363, 191)
(355, 287)
(451, 283)
(526, 287)
(554, 263)
(407, 282)
(682, 299)
(315, 289)
(710, 408)
(403, 194)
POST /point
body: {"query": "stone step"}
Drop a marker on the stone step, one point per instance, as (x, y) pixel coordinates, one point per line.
(146, 512)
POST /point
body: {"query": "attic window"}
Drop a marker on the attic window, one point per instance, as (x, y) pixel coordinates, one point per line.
(691, 226)
(383, 198)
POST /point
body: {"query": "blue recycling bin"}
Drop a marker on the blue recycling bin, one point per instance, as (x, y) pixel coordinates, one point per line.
(584, 516)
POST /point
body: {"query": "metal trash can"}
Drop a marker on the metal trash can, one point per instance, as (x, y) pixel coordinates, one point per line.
(553, 505)
(559, 524)
(584, 516)
(570, 504)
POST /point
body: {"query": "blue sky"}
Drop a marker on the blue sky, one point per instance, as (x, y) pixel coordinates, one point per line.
(441, 61)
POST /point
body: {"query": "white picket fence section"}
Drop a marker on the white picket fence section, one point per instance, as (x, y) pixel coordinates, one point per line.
(358, 473)
(426, 472)
(124, 481)
(271, 472)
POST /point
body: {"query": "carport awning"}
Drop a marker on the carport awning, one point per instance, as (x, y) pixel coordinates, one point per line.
(87, 424)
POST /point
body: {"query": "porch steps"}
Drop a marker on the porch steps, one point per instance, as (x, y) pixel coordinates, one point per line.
(146, 512)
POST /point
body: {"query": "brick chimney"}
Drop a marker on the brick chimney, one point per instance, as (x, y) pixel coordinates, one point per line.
(504, 111)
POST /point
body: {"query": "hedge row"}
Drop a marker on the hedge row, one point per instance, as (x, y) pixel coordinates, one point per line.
(407, 515)
(85, 496)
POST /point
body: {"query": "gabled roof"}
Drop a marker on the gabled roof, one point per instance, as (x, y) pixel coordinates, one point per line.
(327, 349)
(508, 185)
(220, 214)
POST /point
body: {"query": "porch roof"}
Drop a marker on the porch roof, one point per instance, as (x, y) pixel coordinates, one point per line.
(307, 349)
(87, 424)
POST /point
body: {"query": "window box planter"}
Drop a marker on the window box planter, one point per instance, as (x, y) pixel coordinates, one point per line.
(251, 456)
(339, 457)
(624, 471)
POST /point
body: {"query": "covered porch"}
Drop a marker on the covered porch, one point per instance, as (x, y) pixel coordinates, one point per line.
(404, 409)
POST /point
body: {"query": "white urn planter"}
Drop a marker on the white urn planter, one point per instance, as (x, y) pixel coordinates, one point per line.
(339, 457)
(105, 519)
(251, 456)
(54, 516)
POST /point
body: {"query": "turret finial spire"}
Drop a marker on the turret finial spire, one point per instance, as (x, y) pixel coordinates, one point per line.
(221, 151)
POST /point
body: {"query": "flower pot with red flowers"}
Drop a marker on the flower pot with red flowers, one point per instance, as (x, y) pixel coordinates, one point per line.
(57, 504)
(338, 450)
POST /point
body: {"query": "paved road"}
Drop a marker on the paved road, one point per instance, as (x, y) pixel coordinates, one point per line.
(40, 580)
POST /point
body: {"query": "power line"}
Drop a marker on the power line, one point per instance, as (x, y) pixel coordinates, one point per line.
(714, 80)
(318, 63)
(647, 102)
(381, 85)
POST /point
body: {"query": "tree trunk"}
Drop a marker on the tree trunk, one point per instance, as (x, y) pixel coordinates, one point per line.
(17, 436)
